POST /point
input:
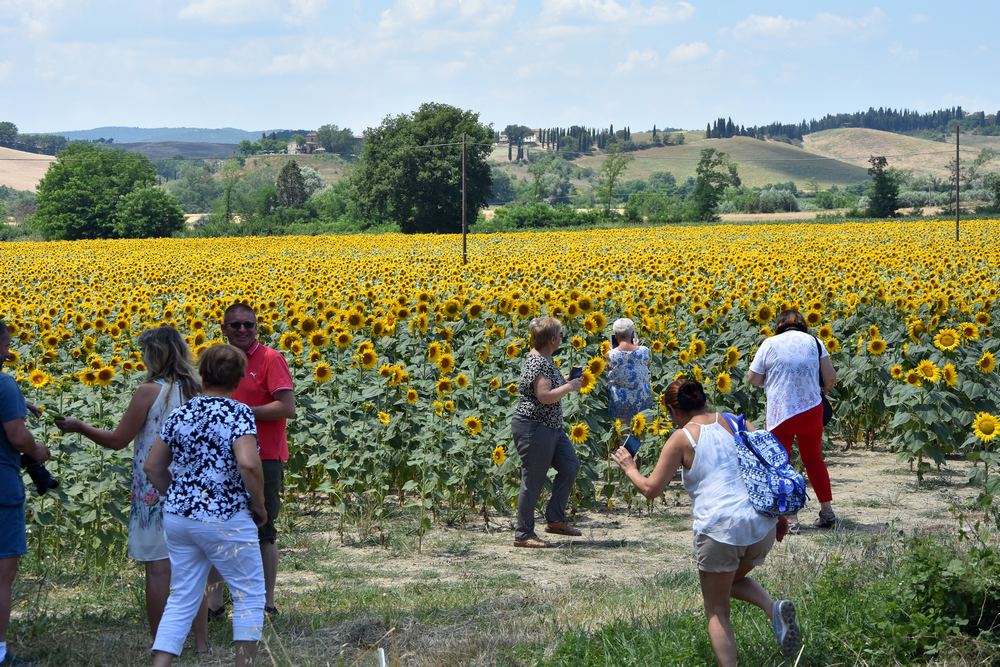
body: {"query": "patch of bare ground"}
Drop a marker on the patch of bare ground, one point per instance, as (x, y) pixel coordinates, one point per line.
(21, 170)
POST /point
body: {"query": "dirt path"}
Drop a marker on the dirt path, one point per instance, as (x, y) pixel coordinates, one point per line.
(872, 491)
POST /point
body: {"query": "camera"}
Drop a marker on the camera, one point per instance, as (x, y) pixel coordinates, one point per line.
(39, 475)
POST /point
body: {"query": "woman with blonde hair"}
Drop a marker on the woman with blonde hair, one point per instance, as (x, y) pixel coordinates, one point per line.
(537, 427)
(170, 381)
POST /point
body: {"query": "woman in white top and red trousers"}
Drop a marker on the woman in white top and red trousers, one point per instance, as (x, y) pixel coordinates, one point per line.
(789, 365)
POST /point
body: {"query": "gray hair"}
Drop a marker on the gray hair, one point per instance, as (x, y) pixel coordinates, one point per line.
(622, 326)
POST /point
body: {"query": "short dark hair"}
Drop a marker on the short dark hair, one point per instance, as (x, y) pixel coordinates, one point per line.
(3, 328)
(239, 305)
(791, 320)
(222, 366)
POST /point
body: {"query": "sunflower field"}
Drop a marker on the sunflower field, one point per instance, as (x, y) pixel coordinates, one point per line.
(406, 361)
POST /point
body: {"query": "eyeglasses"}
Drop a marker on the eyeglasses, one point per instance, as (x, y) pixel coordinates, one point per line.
(241, 325)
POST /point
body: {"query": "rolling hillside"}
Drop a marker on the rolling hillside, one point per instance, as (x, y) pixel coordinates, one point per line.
(759, 162)
(22, 171)
(920, 156)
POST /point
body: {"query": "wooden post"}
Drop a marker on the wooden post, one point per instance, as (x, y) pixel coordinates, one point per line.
(465, 257)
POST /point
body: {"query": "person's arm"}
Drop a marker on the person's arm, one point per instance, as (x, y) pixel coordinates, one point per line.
(827, 373)
(20, 438)
(756, 379)
(128, 427)
(548, 395)
(157, 466)
(282, 407)
(252, 473)
(671, 457)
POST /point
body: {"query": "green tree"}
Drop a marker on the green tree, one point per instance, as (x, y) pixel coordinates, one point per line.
(8, 133)
(148, 213)
(715, 173)
(516, 134)
(196, 189)
(611, 172)
(883, 192)
(410, 169)
(336, 140)
(291, 186)
(80, 193)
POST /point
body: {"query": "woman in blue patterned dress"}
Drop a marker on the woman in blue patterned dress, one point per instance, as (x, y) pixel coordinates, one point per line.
(629, 388)
(171, 381)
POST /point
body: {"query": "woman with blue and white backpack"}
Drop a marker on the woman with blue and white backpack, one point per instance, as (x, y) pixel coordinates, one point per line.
(730, 536)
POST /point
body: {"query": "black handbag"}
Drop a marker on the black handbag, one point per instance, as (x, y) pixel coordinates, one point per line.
(827, 408)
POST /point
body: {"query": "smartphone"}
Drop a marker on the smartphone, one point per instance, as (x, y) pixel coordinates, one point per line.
(575, 372)
(632, 444)
(614, 340)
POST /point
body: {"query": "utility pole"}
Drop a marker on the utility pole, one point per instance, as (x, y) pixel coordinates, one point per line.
(465, 257)
(958, 173)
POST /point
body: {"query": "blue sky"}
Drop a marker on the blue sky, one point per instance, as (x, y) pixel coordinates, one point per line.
(262, 64)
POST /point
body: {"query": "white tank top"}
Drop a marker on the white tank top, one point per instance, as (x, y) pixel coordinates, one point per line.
(720, 507)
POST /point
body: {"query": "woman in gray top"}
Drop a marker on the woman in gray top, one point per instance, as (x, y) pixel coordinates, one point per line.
(539, 437)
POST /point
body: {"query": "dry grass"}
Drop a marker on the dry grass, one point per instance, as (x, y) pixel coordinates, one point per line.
(21, 170)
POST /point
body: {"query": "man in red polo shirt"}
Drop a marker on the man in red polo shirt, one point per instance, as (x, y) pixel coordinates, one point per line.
(267, 388)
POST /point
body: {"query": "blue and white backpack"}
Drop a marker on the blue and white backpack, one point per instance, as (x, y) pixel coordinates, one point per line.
(774, 486)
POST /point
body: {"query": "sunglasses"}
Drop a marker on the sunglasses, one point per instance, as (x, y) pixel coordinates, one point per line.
(241, 325)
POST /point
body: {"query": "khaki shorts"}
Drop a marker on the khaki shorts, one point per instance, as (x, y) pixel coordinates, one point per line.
(715, 556)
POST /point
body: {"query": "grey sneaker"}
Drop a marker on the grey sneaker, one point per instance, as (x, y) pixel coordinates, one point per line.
(827, 519)
(786, 629)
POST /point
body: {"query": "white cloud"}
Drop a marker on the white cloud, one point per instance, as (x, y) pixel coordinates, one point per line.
(31, 16)
(919, 19)
(636, 59)
(902, 53)
(615, 12)
(685, 53)
(471, 13)
(800, 32)
(248, 11)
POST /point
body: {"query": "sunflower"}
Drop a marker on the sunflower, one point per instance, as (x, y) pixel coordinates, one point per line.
(412, 396)
(446, 364)
(578, 342)
(474, 310)
(986, 363)
(947, 340)
(813, 317)
(384, 417)
(512, 389)
(368, 359)
(897, 372)
(344, 339)
(105, 375)
(449, 406)
(732, 357)
(355, 320)
(697, 348)
(969, 330)
(318, 339)
(913, 378)
(833, 345)
(599, 320)
(512, 351)
(985, 426)
(38, 378)
(596, 366)
(308, 325)
(949, 375)
(579, 432)
(451, 308)
(523, 309)
(322, 372)
(656, 346)
(638, 424)
(723, 383)
(587, 382)
(473, 425)
(763, 314)
(499, 455)
(461, 381)
(444, 386)
(928, 371)
(683, 356)
(434, 351)
(876, 346)
(585, 304)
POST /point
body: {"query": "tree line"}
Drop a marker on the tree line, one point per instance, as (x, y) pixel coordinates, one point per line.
(883, 118)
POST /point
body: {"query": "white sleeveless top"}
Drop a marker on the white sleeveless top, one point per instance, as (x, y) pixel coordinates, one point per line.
(720, 507)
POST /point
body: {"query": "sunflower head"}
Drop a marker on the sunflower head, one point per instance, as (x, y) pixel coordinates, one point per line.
(412, 396)
(949, 374)
(986, 426)
(498, 456)
(986, 363)
(876, 346)
(579, 432)
(323, 372)
(723, 383)
(947, 340)
(897, 372)
(473, 425)
(928, 370)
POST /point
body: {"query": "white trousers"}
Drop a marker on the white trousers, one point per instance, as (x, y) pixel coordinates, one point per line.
(194, 547)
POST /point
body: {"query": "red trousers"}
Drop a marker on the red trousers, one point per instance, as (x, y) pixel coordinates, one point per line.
(808, 427)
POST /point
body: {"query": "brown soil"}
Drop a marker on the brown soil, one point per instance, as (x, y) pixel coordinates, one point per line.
(872, 491)
(21, 170)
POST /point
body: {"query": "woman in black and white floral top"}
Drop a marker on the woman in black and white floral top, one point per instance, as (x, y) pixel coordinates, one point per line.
(539, 437)
(207, 466)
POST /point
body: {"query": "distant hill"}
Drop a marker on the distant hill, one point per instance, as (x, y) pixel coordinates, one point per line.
(759, 162)
(921, 156)
(21, 170)
(132, 135)
(185, 149)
